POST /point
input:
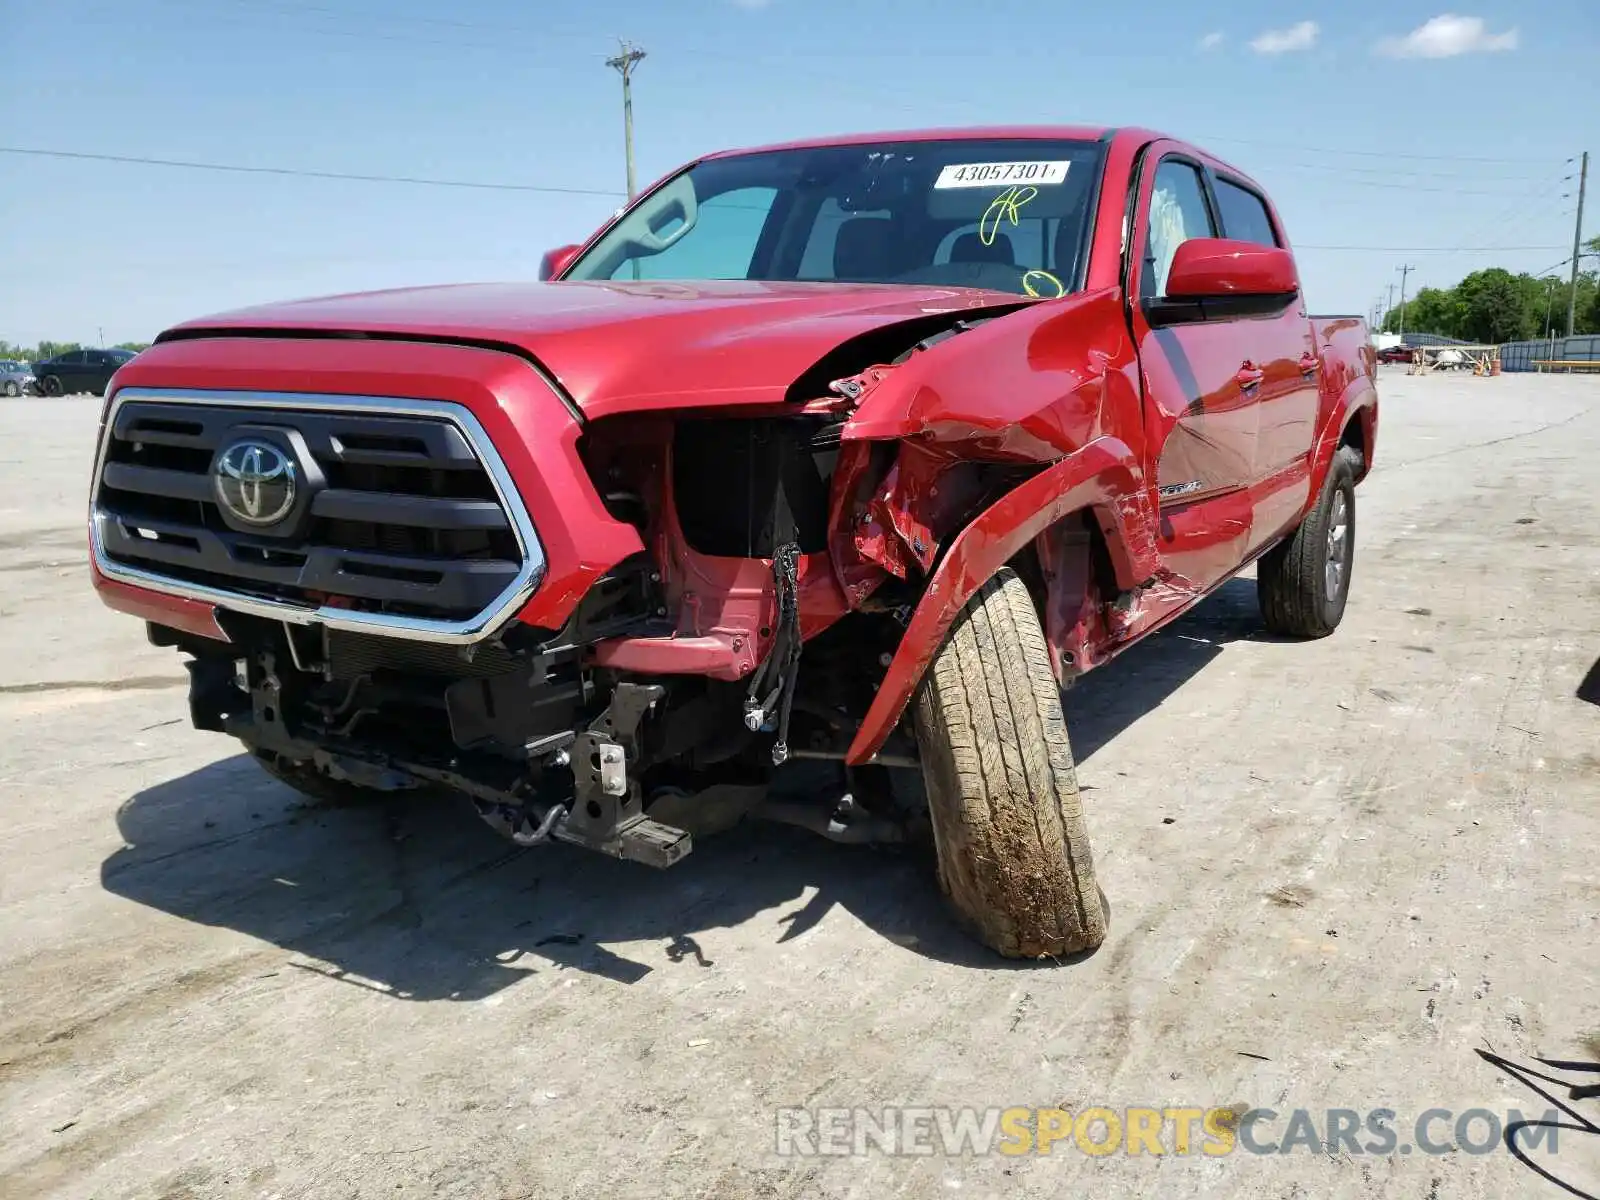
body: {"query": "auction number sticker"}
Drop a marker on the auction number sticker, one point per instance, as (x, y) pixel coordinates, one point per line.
(1001, 174)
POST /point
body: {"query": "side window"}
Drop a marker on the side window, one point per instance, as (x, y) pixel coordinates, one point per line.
(1244, 216)
(77, 358)
(1178, 212)
(727, 229)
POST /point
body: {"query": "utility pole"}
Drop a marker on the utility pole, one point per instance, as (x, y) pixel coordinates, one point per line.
(624, 63)
(1390, 309)
(1577, 244)
(1404, 271)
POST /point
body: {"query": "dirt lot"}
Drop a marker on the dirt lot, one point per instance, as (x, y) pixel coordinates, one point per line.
(1336, 870)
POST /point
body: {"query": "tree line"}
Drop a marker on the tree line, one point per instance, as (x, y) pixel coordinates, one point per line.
(1493, 306)
(44, 350)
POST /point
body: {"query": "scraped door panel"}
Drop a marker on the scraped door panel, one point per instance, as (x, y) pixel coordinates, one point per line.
(1201, 392)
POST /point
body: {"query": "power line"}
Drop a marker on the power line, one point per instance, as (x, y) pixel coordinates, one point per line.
(848, 78)
(1405, 187)
(1529, 202)
(367, 15)
(368, 29)
(303, 173)
(1429, 249)
(1392, 172)
(490, 185)
(1386, 154)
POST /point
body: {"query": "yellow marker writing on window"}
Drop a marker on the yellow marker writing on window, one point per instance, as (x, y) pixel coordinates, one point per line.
(1030, 285)
(1007, 206)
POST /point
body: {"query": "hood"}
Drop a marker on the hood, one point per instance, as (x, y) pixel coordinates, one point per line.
(624, 346)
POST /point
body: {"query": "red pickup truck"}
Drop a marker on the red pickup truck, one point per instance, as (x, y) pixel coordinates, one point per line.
(832, 461)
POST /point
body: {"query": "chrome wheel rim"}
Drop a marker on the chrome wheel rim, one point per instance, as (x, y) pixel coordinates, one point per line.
(1338, 544)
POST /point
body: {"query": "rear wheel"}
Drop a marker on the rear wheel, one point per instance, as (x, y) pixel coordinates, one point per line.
(1003, 797)
(1304, 581)
(323, 790)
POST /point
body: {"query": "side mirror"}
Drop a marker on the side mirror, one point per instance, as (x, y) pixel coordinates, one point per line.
(1217, 279)
(558, 260)
(1212, 268)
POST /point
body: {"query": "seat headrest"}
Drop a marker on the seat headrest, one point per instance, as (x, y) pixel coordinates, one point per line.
(970, 248)
(862, 248)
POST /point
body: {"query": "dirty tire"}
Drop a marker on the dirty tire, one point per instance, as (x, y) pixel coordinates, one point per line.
(1003, 796)
(323, 791)
(1292, 580)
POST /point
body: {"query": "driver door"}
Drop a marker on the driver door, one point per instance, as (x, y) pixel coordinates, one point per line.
(74, 371)
(1200, 388)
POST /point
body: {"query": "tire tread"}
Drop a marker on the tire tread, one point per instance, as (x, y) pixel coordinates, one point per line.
(1013, 849)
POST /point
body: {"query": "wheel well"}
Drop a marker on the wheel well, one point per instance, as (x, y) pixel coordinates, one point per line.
(1070, 574)
(1355, 437)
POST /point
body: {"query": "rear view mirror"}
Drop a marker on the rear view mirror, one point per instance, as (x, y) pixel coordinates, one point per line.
(558, 260)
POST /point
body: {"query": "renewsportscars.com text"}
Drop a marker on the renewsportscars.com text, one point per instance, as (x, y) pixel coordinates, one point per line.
(1141, 1130)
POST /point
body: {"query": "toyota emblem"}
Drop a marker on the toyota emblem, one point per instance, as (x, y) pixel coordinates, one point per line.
(255, 482)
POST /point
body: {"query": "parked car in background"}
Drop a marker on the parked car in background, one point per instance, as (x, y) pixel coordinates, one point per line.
(79, 371)
(1396, 354)
(16, 378)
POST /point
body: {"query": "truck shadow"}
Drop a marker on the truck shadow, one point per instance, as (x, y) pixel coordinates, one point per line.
(417, 899)
(1106, 701)
(1589, 689)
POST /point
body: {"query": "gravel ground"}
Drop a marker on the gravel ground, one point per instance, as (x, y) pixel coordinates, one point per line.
(1337, 872)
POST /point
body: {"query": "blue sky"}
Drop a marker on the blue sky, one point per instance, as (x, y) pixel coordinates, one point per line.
(1373, 124)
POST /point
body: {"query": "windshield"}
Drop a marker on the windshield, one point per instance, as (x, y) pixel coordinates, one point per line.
(1005, 215)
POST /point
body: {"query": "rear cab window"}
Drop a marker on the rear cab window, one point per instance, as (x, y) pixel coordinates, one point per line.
(1244, 214)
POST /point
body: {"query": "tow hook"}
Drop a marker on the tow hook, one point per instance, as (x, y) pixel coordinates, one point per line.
(557, 811)
(606, 812)
(514, 823)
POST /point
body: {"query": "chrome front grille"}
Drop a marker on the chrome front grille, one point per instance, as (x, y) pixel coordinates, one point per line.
(404, 520)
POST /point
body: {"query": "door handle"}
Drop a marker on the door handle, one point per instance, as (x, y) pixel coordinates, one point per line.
(1309, 364)
(1249, 376)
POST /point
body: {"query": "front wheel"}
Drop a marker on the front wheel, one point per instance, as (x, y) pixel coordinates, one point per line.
(50, 385)
(1304, 581)
(1003, 796)
(12, 389)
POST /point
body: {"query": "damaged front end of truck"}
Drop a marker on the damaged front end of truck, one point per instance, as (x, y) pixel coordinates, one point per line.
(617, 632)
